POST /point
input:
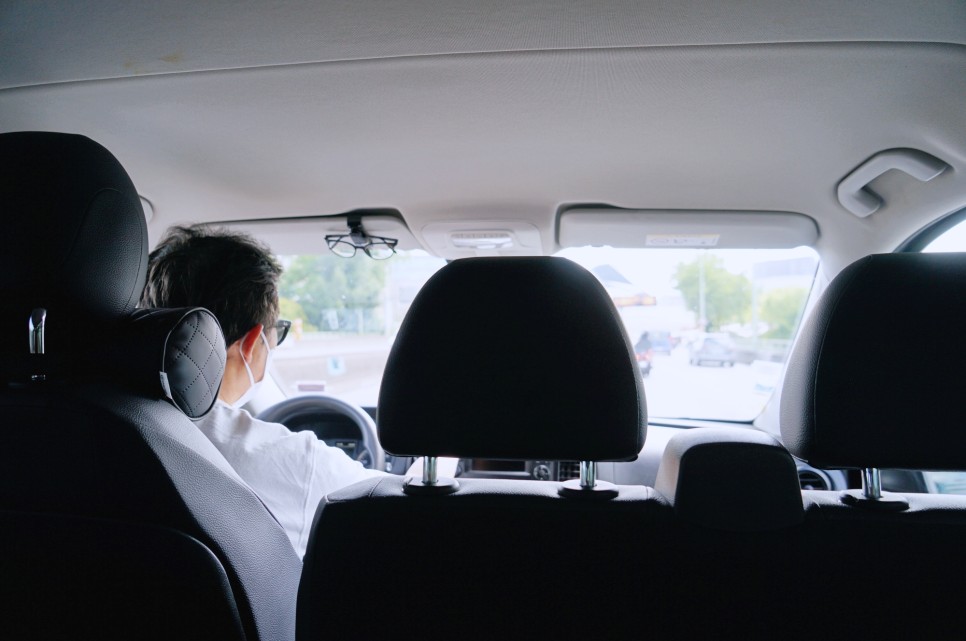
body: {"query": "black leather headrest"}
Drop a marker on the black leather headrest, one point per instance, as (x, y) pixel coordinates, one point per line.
(74, 239)
(734, 479)
(518, 358)
(877, 376)
(178, 354)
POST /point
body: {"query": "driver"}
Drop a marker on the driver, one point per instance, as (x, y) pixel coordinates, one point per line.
(236, 277)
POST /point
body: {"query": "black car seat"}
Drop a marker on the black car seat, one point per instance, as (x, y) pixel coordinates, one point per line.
(701, 467)
(875, 381)
(737, 536)
(498, 359)
(118, 518)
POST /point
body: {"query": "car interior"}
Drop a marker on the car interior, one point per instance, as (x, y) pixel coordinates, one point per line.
(651, 310)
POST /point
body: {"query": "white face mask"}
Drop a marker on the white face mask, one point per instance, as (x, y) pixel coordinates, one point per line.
(254, 386)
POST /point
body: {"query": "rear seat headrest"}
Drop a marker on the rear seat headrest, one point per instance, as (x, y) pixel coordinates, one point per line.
(736, 479)
(876, 377)
(516, 358)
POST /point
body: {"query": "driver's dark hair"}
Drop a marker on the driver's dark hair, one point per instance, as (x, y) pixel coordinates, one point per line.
(229, 273)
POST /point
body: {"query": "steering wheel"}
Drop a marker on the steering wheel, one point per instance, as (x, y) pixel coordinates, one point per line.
(299, 406)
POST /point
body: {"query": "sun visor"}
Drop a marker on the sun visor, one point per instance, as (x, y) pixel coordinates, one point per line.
(580, 227)
(307, 235)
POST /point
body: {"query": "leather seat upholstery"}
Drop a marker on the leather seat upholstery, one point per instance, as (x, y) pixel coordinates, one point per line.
(522, 358)
(120, 519)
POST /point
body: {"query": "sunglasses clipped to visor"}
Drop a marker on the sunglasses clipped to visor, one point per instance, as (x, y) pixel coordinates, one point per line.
(346, 245)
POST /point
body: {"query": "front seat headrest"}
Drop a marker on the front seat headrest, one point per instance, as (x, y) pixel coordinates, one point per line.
(876, 375)
(75, 239)
(515, 358)
(731, 478)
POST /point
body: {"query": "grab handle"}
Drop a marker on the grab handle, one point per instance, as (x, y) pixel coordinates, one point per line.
(853, 191)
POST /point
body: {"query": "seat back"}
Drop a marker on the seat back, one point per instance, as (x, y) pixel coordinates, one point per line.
(738, 535)
(761, 559)
(73, 577)
(97, 447)
(522, 358)
(863, 389)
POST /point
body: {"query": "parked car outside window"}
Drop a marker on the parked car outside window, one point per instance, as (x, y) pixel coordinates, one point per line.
(713, 349)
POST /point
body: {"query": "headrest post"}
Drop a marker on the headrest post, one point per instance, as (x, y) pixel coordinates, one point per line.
(872, 498)
(431, 483)
(37, 324)
(587, 486)
(871, 484)
(588, 475)
(430, 474)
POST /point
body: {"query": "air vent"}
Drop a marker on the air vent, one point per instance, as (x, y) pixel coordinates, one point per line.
(810, 480)
(568, 470)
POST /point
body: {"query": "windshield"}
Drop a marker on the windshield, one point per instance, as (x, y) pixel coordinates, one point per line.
(710, 328)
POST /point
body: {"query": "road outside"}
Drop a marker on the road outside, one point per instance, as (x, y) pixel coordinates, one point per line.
(677, 389)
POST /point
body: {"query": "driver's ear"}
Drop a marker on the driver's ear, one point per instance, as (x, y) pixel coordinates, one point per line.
(248, 341)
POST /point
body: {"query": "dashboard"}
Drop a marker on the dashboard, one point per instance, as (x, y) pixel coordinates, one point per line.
(341, 431)
(513, 469)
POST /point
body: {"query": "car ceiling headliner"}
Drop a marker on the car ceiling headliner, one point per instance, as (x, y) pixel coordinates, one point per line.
(489, 110)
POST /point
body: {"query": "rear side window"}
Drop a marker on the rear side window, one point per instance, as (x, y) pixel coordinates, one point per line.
(951, 240)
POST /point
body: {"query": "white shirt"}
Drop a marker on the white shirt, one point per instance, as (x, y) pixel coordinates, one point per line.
(289, 471)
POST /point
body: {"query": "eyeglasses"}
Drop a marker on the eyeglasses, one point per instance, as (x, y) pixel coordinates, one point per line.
(281, 330)
(345, 245)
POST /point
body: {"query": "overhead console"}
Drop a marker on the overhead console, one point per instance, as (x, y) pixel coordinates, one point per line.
(465, 239)
(687, 228)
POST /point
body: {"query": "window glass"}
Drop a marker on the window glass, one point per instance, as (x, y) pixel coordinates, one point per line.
(710, 328)
(345, 313)
(952, 240)
(945, 482)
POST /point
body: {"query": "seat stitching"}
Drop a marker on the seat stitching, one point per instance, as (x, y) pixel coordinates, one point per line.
(182, 392)
(182, 351)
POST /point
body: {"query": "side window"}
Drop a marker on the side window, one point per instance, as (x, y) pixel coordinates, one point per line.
(951, 240)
